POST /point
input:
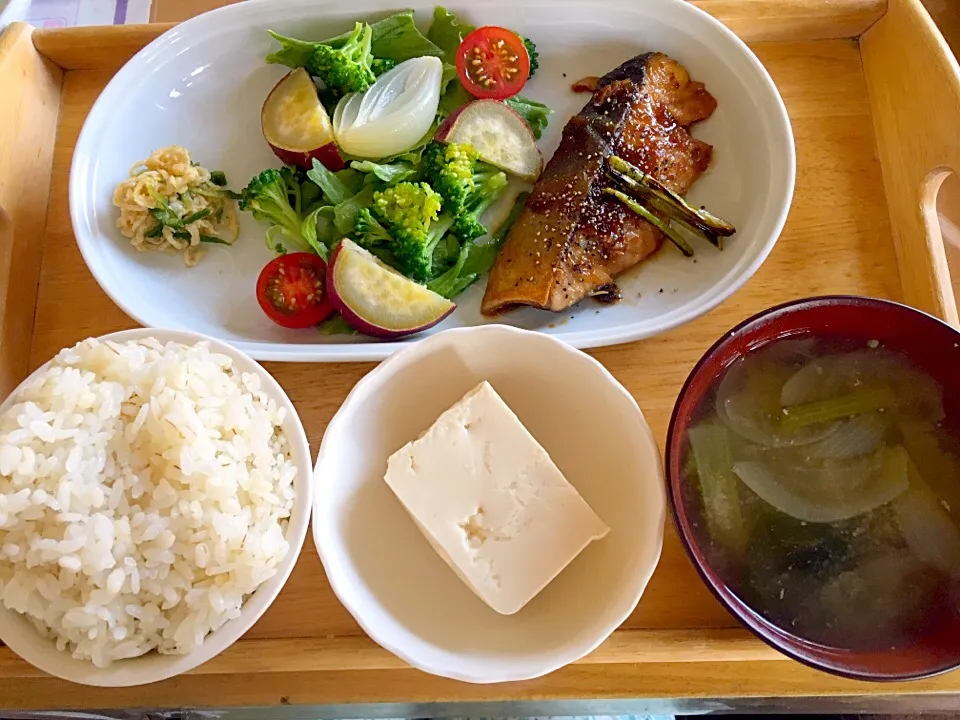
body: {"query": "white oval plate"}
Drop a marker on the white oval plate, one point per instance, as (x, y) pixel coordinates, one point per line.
(202, 83)
(394, 583)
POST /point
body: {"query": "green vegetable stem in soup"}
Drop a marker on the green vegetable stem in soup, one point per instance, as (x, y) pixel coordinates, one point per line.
(825, 491)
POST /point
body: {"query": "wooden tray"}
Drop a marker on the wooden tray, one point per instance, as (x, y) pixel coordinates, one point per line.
(874, 95)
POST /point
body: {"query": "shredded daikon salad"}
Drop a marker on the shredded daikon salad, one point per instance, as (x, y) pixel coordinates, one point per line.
(173, 204)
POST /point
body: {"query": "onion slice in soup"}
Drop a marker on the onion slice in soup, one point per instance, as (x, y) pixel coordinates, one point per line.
(748, 402)
(926, 526)
(858, 436)
(830, 491)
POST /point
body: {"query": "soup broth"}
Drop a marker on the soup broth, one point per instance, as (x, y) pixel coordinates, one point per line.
(827, 492)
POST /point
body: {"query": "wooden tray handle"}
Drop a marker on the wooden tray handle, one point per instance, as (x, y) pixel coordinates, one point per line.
(913, 80)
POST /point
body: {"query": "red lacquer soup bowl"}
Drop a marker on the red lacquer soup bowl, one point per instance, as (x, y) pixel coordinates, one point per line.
(932, 348)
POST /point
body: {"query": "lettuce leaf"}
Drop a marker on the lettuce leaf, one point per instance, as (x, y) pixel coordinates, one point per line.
(395, 37)
(447, 32)
(335, 325)
(476, 259)
(335, 190)
(345, 213)
(535, 113)
(389, 173)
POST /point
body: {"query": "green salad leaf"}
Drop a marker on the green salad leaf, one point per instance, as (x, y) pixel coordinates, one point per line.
(335, 325)
(535, 113)
(448, 75)
(447, 32)
(345, 213)
(454, 97)
(310, 193)
(454, 281)
(397, 38)
(293, 53)
(275, 197)
(316, 229)
(345, 193)
(476, 259)
(388, 172)
(335, 190)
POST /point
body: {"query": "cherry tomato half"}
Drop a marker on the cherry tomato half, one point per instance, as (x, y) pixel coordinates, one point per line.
(292, 291)
(493, 63)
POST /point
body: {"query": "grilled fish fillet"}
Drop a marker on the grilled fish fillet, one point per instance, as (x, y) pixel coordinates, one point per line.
(571, 240)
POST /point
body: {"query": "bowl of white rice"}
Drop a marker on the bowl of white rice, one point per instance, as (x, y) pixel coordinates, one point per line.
(155, 492)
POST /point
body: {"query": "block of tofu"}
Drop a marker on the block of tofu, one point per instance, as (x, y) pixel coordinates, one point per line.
(491, 501)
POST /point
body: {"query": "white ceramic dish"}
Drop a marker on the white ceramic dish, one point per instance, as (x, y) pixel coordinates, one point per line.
(393, 582)
(23, 639)
(201, 85)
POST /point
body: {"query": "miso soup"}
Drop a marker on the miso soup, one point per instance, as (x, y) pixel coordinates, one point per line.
(827, 492)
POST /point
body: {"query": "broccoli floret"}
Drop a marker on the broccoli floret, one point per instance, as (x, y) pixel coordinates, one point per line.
(533, 55)
(432, 158)
(449, 168)
(372, 235)
(273, 196)
(455, 172)
(368, 231)
(411, 212)
(466, 224)
(408, 206)
(381, 65)
(467, 185)
(347, 68)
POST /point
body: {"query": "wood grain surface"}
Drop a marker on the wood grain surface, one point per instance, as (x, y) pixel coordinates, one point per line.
(28, 81)
(679, 642)
(915, 116)
(354, 652)
(83, 48)
(753, 20)
(946, 14)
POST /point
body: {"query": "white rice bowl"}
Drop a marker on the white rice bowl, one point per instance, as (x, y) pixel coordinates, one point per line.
(148, 490)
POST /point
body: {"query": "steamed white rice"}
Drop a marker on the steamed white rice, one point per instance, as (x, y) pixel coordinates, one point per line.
(145, 491)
